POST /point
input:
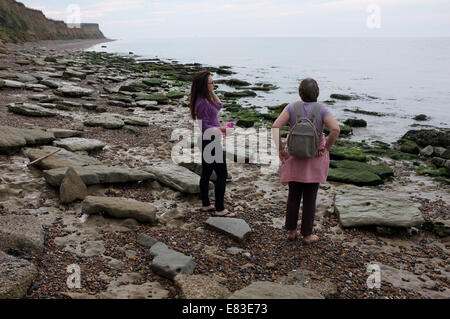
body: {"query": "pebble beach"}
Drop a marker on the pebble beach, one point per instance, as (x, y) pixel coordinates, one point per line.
(112, 119)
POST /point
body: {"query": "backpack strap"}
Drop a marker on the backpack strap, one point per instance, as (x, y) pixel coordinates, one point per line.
(315, 113)
(298, 111)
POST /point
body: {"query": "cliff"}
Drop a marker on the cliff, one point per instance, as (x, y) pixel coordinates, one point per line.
(19, 23)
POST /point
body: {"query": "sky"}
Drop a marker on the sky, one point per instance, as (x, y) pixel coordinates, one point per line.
(140, 19)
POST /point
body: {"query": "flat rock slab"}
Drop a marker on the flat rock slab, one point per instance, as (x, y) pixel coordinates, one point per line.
(63, 133)
(13, 84)
(73, 91)
(11, 141)
(76, 144)
(21, 232)
(107, 121)
(32, 110)
(120, 208)
(16, 276)
(170, 263)
(235, 227)
(271, 290)
(114, 121)
(35, 136)
(63, 158)
(99, 174)
(177, 177)
(358, 206)
(201, 287)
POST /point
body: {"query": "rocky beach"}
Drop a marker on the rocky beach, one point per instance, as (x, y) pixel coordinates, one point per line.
(110, 200)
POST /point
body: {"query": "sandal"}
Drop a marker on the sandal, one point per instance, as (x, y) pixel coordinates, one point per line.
(294, 237)
(227, 214)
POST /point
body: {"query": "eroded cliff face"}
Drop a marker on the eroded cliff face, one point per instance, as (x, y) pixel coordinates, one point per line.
(19, 23)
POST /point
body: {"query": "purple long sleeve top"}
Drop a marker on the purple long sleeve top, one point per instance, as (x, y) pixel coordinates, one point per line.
(207, 114)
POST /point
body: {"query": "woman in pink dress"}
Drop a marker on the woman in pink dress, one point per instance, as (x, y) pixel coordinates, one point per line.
(305, 174)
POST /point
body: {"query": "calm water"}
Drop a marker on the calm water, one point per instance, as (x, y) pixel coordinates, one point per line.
(408, 76)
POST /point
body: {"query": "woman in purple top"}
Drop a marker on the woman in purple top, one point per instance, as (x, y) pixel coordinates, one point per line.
(204, 107)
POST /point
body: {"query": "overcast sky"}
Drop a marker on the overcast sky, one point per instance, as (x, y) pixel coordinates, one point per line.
(132, 19)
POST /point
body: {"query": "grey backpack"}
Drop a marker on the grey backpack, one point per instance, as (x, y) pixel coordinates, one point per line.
(304, 140)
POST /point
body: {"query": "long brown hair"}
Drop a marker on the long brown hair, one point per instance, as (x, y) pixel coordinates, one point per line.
(199, 89)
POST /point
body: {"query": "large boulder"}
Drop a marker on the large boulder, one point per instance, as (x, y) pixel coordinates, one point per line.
(429, 137)
(32, 110)
(16, 276)
(75, 144)
(72, 187)
(21, 232)
(358, 206)
(99, 174)
(272, 290)
(120, 208)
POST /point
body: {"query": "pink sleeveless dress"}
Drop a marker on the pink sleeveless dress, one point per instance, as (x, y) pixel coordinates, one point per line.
(306, 170)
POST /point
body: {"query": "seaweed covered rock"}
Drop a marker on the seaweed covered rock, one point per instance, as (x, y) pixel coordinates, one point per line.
(408, 146)
(175, 95)
(355, 177)
(346, 153)
(240, 94)
(134, 87)
(380, 170)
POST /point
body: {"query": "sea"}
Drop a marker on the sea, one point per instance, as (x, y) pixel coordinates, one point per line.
(398, 77)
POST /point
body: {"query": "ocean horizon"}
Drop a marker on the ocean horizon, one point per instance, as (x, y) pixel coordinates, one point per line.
(399, 77)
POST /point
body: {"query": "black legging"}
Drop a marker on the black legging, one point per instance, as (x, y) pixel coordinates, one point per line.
(220, 167)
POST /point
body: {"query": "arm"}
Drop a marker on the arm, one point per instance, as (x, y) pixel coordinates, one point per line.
(333, 125)
(279, 123)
